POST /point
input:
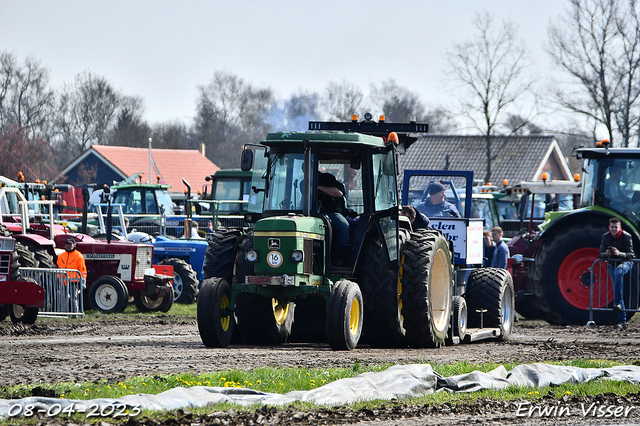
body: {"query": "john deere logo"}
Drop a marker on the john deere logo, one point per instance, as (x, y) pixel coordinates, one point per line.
(274, 243)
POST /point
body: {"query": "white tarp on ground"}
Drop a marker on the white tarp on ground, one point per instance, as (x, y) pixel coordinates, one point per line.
(400, 381)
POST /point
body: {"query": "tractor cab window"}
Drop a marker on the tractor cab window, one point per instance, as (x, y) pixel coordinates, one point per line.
(620, 190)
(481, 208)
(384, 181)
(132, 201)
(350, 175)
(286, 180)
(231, 189)
(164, 200)
(589, 183)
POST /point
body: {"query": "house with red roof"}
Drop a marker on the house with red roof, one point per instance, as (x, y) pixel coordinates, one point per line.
(105, 164)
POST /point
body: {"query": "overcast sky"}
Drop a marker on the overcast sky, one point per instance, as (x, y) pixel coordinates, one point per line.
(161, 50)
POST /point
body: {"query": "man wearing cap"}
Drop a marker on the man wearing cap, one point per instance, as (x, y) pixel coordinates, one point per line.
(72, 258)
(437, 205)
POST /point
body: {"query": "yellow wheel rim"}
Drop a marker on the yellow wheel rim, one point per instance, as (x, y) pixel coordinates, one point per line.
(354, 317)
(225, 322)
(280, 311)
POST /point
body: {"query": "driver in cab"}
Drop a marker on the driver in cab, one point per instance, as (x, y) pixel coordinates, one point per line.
(437, 205)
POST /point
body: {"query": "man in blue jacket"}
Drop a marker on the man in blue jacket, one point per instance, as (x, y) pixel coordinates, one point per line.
(501, 251)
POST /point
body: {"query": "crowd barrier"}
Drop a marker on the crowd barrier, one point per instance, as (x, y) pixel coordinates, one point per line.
(601, 289)
(63, 288)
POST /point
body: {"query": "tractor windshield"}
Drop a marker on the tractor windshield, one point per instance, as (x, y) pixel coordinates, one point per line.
(285, 182)
(621, 192)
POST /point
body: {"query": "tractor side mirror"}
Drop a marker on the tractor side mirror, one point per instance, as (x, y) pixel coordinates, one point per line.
(246, 160)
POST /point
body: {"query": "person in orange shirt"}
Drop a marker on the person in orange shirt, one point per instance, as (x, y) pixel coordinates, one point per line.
(72, 258)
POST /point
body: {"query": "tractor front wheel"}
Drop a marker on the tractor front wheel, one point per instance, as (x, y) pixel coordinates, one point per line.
(214, 324)
(109, 294)
(344, 316)
(264, 321)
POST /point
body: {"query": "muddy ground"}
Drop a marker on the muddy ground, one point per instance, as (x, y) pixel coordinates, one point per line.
(77, 350)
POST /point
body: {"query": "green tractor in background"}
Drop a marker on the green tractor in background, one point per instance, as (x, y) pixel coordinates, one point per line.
(559, 277)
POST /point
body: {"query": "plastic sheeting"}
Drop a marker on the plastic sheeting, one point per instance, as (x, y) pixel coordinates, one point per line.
(400, 381)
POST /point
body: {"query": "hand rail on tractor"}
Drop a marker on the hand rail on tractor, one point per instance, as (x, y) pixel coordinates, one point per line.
(601, 297)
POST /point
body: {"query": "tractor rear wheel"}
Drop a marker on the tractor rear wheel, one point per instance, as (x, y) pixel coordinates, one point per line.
(45, 260)
(221, 254)
(109, 294)
(264, 321)
(381, 290)
(561, 279)
(344, 316)
(491, 289)
(26, 257)
(214, 326)
(185, 281)
(427, 288)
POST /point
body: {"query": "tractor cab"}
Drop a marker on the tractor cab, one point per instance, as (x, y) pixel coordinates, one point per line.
(290, 168)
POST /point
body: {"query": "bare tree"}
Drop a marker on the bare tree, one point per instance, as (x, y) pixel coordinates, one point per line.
(86, 112)
(25, 100)
(230, 113)
(21, 153)
(130, 129)
(342, 100)
(489, 72)
(586, 45)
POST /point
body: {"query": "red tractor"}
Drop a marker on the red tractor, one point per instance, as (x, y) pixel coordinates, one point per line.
(19, 297)
(115, 269)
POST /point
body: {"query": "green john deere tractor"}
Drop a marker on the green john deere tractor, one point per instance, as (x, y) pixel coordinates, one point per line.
(391, 285)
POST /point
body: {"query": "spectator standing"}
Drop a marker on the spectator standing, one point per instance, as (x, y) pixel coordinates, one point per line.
(617, 248)
(501, 251)
(488, 247)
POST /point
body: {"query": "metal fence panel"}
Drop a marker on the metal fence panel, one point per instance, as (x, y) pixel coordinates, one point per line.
(64, 289)
(601, 289)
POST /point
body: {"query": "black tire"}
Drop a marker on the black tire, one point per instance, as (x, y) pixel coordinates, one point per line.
(460, 317)
(344, 316)
(264, 321)
(526, 305)
(45, 260)
(23, 314)
(243, 266)
(215, 330)
(185, 281)
(221, 254)
(427, 288)
(167, 300)
(576, 244)
(491, 289)
(4, 231)
(108, 294)
(383, 326)
(26, 257)
(4, 312)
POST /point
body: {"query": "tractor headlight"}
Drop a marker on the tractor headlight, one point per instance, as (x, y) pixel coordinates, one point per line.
(251, 255)
(297, 255)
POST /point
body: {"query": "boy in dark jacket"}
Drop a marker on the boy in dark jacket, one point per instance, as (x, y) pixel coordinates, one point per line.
(617, 249)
